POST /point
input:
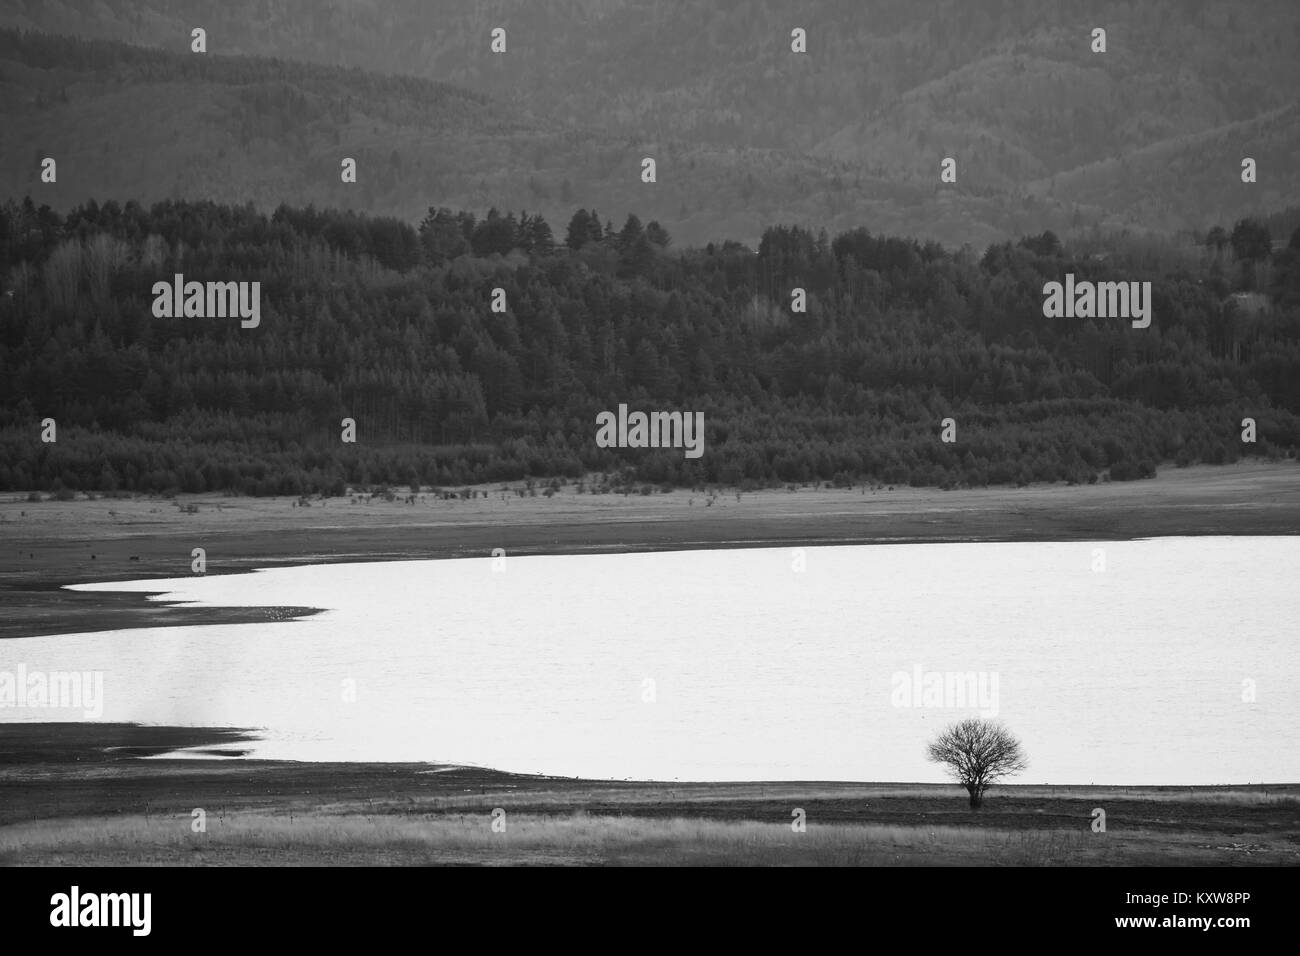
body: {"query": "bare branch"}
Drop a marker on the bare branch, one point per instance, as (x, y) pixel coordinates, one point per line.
(978, 753)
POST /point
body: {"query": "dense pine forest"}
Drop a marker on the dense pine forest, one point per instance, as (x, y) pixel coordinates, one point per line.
(390, 323)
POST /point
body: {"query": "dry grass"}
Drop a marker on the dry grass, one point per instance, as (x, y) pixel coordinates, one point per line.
(528, 838)
(1227, 798)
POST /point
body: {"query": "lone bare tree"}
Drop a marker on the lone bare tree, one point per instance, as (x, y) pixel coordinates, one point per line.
(978, 752)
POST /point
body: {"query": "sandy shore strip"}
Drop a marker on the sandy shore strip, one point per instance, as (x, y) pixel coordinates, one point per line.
(48, 544)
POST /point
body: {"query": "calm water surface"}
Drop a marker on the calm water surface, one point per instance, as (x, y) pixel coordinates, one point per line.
(731, 664)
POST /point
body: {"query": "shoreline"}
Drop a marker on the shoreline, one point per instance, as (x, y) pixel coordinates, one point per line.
(51, 544)
(88, 792)
(160, 749)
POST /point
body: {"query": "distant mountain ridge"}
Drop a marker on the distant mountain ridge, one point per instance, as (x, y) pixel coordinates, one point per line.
(1046, 133)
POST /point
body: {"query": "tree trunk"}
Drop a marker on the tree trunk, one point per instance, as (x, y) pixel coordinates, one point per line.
(976, 798)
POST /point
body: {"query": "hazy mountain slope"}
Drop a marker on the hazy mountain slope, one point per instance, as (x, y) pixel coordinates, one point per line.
(1201, 171)
(155, 125)
(128, 122)
(722, 69)
(1010, 89)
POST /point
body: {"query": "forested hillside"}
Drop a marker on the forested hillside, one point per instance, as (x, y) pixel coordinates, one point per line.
(1047, 133)
(269, 131)
(389, 323)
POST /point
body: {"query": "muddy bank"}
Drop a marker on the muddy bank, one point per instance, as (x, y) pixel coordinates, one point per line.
(49, 544)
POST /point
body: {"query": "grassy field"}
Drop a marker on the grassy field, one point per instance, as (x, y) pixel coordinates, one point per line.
(88, 794)
(576, 838)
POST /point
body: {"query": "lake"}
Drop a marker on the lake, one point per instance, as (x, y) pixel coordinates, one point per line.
(1133, 666)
